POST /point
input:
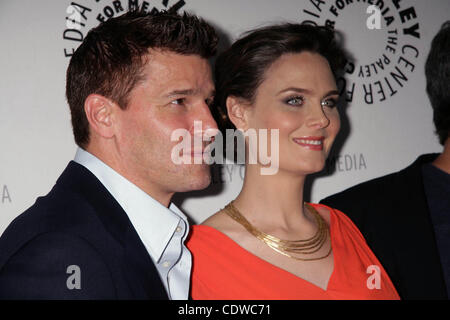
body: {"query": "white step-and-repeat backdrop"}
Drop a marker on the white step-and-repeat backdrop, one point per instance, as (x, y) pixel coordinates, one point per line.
(386, 122)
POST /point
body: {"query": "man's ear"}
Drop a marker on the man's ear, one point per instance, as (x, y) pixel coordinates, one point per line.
(99, 112)
(237, 112)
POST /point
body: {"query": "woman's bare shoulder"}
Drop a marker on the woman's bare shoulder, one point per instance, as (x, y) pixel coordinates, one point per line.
(218, 220)
(222, 222)
(324, 211)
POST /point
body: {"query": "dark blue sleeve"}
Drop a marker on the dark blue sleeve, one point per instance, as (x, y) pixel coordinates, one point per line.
(56, 266)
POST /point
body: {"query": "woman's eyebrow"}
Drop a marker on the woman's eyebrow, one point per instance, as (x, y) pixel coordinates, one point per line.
(331, 93)
(299, 90)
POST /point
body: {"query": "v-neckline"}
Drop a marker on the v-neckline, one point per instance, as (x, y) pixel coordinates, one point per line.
(278, 269)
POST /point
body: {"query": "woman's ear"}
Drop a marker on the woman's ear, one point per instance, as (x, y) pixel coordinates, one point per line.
(237, 112)
(99, 112)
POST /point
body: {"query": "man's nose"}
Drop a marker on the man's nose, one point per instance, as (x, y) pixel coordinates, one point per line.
(206, 125)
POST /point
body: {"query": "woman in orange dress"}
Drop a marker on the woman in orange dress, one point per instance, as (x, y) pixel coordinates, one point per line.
(268, 243)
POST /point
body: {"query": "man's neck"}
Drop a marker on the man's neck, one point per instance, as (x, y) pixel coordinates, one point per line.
(443, 160)
(152, 189)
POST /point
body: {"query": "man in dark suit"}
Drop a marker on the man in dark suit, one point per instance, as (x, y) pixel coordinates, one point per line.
(405, 216)
(107, 229)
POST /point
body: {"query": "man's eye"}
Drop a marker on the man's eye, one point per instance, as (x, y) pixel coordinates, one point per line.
(330, 103)
(180, 101)
(295, 101)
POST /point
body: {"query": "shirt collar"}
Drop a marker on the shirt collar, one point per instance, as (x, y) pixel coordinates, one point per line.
(154, 223)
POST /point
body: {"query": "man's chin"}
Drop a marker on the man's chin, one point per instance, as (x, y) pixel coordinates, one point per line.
(198, 182)
(202, 183)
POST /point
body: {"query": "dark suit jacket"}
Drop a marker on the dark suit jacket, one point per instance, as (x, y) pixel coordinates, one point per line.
(392, 214)
(78, 223)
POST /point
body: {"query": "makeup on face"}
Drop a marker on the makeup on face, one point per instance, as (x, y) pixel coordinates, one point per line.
(299, 98)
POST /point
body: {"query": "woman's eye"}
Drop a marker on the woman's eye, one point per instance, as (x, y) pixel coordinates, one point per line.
(330, 103)
(295, 101)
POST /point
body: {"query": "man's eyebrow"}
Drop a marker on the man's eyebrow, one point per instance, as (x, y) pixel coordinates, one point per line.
(186, 92)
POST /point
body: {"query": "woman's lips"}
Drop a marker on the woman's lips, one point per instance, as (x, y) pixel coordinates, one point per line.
(312, 143)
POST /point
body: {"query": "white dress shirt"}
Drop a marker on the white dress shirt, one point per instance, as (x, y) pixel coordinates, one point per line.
(162, 230)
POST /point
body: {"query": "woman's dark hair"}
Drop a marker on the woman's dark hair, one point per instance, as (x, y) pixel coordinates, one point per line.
(240, 70)
(110, 60)
(437, 72)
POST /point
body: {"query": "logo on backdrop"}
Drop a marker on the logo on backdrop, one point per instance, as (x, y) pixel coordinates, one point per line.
(5, 194)
(346, 162)
(381, 36)
(82, 15)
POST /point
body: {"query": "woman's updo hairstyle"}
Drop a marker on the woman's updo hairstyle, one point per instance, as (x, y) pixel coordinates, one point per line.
(240, 69)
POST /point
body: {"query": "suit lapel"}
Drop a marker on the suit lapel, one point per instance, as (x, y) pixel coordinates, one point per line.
(138, 262)
(139, 270)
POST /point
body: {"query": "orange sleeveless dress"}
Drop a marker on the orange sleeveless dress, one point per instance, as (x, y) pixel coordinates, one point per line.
(223, 270)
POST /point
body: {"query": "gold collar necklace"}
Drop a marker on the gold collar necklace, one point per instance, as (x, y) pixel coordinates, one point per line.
(287, 247)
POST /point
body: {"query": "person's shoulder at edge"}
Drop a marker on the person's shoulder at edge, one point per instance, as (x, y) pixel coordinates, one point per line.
(41, 243)
(374, 188)
(359, 200)
(56, 265)
(61, 210)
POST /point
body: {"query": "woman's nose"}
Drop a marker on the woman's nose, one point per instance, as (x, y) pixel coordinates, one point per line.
(318, 118)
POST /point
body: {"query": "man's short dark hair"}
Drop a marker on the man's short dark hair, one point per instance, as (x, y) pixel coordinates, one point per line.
(110, 60)
(437, 72)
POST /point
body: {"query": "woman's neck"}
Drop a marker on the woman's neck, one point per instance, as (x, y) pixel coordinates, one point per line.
(272, 200)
